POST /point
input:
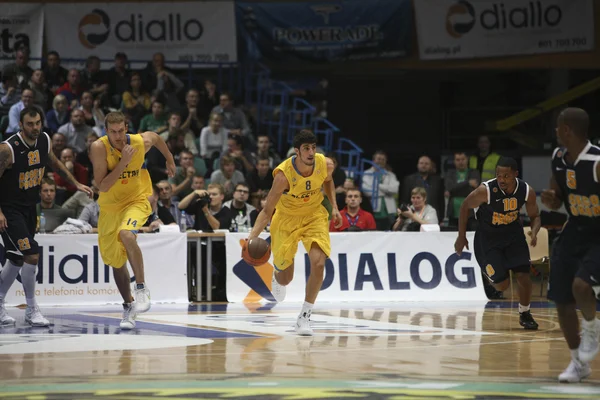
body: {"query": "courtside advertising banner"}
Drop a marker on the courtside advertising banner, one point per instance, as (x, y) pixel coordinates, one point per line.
(367, 266)
(71, 271)
(489, 28)
(199, 31)
(21, 25)
(320, 32)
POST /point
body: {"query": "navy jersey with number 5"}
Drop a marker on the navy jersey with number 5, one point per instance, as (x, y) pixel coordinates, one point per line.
(20, 184)
(579, 185)
(501, 212)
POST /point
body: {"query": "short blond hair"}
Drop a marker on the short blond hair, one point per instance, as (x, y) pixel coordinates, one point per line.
(217, 186)
(419, 191)
(115, 117)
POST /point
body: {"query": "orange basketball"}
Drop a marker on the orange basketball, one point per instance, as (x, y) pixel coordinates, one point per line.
(256, 252)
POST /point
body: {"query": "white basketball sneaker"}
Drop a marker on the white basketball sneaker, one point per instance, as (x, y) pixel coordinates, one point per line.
(128, 321)
(575, 372)
(590, 335)
(5, 319)
(303, 324)
(142, 298)
(277, 290)
(34, 317)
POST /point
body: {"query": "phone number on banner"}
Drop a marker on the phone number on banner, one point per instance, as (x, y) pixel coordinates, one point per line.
(204, 57)
(564, 43)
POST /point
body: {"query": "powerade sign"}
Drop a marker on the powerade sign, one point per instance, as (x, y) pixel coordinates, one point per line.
(328, 31)
(366, 267)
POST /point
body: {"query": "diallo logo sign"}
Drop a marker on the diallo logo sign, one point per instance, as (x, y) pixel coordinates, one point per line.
(462, 16)
(96, 27)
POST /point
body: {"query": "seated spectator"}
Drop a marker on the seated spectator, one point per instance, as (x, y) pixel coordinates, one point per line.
(365, 203)
(20, 69)
(410, 218)
(243, 215)
(213, 140)
(227, 176)
(156, 162)
(160, 215)
(386, 190)
(72, 89)
(59, 115)
(168, 89)
(42, 97)
(136, 100)
(92, 113)
(56, 75)
(425, 177)
(263, 148)
(353, 217)
(76, 132)
(47, 196)
(234, 119)
(154, 71)
(165, 199)
(93, 78)
(156, 121)
(210, 214)
(118, 79)
(260, 179)
(15, 111)
(174, 124)
(80, 200)
(244, 162)
(182, 181)
(90, 212)
(10, 93)
(84, 157)
(209, 98)
(67, 157)
(459, 182)
(59, 143)
(191, 114)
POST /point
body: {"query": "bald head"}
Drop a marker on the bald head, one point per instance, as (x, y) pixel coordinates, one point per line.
(575, 119)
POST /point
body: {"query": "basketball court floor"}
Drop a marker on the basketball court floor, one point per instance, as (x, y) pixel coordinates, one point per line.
(235, 351)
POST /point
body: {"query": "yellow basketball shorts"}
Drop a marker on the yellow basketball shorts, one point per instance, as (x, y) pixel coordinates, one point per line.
(287, 230)
(111, 222)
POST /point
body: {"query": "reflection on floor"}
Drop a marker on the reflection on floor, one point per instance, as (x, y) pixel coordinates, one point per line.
(235, 351)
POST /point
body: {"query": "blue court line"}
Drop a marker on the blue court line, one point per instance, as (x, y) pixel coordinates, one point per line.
(157, 327)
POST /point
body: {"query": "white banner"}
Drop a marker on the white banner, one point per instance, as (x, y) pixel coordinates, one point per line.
(186, 31)
(487, 28)
(368, 266)
(21, 25)
(71, 271)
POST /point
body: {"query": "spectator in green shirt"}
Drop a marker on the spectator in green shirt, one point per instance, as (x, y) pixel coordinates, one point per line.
(156, 121)
(459, 182)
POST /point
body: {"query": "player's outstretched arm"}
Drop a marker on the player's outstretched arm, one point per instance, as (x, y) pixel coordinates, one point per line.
(533, 212)
(280, 184)
(476, 198)
(103, 179)
(152, 139)
(329, 189)
(64, 172)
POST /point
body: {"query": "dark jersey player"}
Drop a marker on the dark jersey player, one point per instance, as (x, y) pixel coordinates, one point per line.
(23, 159)
(500, 245)
(575, 258)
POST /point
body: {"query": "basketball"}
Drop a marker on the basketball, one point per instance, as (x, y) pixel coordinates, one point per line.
(256, 252)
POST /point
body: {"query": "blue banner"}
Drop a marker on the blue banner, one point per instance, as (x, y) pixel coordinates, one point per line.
(329, 31)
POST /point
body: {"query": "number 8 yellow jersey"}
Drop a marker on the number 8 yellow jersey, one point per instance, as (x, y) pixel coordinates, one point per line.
(305, 194)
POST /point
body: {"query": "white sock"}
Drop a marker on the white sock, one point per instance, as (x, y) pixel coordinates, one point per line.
(575, 355)
(306, 310)
(7, 277)
(523, 308)
(28, 281)
(591, 324)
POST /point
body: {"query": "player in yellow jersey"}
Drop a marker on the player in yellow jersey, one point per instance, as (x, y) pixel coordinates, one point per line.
(295, 199)
(124, 184)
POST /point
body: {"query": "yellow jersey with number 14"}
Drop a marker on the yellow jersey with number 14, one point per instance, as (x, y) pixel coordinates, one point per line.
(305, 194)
(134, 182)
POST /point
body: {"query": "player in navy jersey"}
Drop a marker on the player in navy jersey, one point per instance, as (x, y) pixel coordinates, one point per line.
(23, 159)
(575, 258)
(500, 245)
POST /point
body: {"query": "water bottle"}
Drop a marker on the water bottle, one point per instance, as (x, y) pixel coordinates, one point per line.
(183, 222)
(42, 223)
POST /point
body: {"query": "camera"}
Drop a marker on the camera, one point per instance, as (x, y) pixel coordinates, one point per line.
(204, 200)
(403, 207)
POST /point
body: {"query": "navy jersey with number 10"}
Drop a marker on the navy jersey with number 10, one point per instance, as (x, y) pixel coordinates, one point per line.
(20, 184)
(501, 212)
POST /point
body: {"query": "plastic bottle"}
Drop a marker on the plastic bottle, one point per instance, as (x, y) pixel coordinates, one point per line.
(42, 223)
(183, 222)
